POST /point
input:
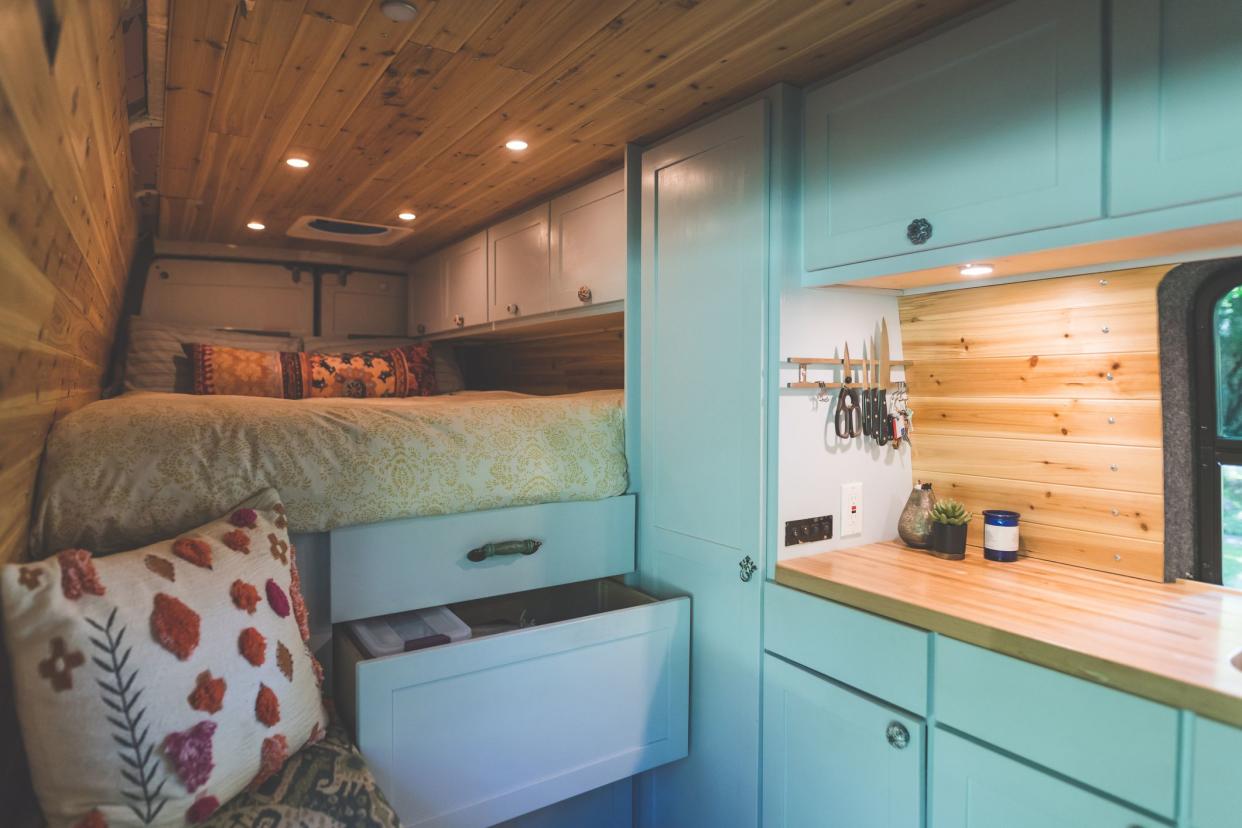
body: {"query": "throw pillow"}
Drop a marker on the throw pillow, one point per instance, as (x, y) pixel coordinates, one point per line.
(397, 372)
(154, 685)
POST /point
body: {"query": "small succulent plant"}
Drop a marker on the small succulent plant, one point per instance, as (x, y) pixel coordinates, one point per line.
(951, 512)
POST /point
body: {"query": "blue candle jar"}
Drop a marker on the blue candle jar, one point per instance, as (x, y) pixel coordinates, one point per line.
(1000, 535)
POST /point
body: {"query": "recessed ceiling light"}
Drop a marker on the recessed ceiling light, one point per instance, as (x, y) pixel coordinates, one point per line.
(256, 225)
(976, 269)
(299, 163)
(399, 10)
(517, 145)
(406, 216)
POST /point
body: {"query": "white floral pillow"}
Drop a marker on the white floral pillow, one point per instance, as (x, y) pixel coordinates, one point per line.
(154, 685)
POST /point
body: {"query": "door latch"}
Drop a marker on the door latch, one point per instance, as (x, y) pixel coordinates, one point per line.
(746, 568)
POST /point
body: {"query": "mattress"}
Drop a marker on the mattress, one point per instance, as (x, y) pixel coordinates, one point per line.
(131, 470)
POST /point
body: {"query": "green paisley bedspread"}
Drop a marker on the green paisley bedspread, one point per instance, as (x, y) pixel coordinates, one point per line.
(123, 472)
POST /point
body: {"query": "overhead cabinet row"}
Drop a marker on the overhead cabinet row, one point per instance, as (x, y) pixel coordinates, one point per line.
(1010, 124)
(564, 254)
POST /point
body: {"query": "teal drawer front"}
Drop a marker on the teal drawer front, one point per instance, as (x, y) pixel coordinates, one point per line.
(469, 734)
(951, 131)
(1176, 124)
(973, 787)
(1216, 786)
(1109, 740)
(879, 657)
(828, 758)
(400, 565)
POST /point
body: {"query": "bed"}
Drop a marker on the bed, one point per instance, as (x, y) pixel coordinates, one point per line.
(144, 465)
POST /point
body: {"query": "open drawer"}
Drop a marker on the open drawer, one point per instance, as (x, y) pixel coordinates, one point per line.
(486, 729)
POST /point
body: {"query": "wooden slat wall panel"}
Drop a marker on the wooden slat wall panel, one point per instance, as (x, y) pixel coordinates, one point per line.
(67, 234)
(588, 361)
(1044, 397)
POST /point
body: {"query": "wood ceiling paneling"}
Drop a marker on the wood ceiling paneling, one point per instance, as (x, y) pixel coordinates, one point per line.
(414, 115)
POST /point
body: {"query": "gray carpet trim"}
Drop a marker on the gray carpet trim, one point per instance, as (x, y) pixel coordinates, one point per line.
(1175, 299)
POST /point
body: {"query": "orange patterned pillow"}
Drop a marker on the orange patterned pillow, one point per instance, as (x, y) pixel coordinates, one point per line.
(398, 372)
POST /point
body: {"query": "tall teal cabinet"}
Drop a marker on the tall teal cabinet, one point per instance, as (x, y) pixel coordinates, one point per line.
(701, 518)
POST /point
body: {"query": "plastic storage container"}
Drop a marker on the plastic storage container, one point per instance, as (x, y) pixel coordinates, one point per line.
(406, 631)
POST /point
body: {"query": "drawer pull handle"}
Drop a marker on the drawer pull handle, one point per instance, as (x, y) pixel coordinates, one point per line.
(511, 547)
(584, 294)
(919, 231)
(897, 735)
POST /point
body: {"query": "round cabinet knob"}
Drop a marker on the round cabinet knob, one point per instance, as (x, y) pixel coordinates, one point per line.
(919, 231)
(584, 294)
(422, 329)
(512, 308)
(897, 735)
(459, 320)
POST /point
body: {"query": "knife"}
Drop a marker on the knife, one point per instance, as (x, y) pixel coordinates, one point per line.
(885, 378)
(868, 412)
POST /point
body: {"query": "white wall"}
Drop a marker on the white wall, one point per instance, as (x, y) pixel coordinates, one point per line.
(813, 462)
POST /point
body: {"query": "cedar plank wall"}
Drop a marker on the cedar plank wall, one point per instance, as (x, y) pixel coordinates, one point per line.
(587, 361)
(1012, 400)
(67, 233)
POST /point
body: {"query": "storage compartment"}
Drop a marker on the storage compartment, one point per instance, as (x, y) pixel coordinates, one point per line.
(382, 568)
(1104, 738)
(1215, 795)
(842, 643)
(560, 690)
(404, 632)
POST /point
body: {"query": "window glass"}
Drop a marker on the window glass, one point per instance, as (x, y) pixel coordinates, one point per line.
(1227, 326)
(1231, 526)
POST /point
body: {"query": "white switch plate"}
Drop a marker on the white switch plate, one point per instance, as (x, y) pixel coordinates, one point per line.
(851, 509)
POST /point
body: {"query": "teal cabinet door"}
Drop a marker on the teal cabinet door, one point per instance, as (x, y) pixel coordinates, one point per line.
(973, 787)
(1176, 118)
(834, 759)
(990, 129)
(704, 290)
(1216, 783)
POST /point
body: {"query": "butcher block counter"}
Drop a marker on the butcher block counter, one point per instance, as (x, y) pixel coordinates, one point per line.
(1174, 643)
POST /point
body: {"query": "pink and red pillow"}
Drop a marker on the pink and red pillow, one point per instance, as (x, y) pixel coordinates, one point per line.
(154, 685)
(407, 371)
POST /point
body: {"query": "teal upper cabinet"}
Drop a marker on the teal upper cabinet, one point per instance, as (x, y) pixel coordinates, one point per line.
(972, 787)
(1176, 119)
(1216, 795)
(990, 129)
(832, 757)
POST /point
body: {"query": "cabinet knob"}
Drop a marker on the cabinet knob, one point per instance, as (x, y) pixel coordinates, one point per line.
(584, 294)
(897, 735)
(459, 320)
(422, 329)
(919, 231)
(746, 568)
(512, 308)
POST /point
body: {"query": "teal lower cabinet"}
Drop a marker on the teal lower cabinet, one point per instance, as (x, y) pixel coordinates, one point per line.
(1216, 781)
(973, 787)
(834, 758)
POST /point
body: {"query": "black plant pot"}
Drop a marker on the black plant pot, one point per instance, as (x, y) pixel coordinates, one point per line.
(949, 541)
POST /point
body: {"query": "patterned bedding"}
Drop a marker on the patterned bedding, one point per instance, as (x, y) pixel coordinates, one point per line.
(123, 472)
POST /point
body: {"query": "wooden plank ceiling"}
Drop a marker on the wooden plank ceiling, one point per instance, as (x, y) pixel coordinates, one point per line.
(414, 116)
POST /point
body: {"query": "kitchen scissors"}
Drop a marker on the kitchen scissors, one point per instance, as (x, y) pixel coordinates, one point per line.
(847, 417)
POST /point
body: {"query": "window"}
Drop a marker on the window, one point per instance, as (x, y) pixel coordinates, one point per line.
(1218, 428)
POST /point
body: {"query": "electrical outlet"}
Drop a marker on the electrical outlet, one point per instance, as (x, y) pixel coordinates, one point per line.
(851, 509)
(808, 530)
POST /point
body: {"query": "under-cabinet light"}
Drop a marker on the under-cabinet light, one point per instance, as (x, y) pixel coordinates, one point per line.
(297, 163)
(517, 145)
(256, 225)
(976, 269)
(406, 216)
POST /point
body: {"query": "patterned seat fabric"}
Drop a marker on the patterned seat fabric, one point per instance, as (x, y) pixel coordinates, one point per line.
(325, 785)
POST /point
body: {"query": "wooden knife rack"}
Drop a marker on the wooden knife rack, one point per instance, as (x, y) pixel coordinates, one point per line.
(805, 362)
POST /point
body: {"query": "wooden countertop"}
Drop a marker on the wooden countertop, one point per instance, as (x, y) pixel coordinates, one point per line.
(1172, 643)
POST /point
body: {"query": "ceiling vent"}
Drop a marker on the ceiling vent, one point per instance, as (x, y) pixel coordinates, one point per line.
(322, 228)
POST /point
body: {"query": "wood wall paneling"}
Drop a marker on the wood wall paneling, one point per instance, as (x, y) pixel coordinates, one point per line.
(582, 361)
(67, 235)
(1044, 397)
